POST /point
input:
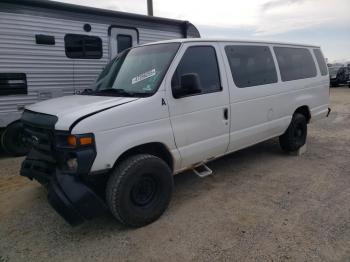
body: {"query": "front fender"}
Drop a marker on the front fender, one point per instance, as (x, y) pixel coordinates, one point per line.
(111, 144)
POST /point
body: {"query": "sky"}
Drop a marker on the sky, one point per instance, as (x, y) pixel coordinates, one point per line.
(320, 22)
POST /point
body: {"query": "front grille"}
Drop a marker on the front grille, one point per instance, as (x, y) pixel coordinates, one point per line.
(40, 163)
(39, 138)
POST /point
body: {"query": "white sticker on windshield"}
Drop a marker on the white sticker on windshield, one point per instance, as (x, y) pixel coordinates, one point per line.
(143, 76)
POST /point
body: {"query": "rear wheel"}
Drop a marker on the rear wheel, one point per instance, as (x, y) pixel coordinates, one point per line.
(12, 140)
(139, 190)
(295, 135)
(1, 149)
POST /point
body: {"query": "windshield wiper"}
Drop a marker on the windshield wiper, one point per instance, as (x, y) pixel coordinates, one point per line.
(121, 92)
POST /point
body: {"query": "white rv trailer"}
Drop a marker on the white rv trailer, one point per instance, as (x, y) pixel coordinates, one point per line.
(50, 49)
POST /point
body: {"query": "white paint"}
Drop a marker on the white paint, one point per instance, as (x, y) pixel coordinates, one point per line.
(192, 128)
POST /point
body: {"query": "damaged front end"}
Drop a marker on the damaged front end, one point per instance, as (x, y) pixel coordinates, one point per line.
(59, 164)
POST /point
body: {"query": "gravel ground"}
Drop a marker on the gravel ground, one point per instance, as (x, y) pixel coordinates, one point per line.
(260, 205)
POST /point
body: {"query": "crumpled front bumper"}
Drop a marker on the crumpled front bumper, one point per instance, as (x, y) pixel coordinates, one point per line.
(73, 200)
(67, 194)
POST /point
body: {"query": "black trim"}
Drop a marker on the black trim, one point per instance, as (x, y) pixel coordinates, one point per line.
(45, 39)
(73, 200)
(39, 119)
(93, 113)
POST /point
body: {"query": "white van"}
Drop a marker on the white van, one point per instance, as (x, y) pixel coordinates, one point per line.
(165, 107)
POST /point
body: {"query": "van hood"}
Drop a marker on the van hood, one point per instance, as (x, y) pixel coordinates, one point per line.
(68, 109)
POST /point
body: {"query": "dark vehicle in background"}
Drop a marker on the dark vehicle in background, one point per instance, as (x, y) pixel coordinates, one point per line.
(339, 75)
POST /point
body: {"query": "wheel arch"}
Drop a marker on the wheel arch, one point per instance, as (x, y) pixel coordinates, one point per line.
(157, 149)
(304, 110)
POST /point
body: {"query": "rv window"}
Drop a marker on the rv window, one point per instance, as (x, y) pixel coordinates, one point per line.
(251, 65)
(83, 46)
(202, 61)
(295, 63)
(13, 84)
(321, 61)
(124, 42)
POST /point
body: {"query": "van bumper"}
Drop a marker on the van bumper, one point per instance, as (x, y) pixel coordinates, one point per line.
(73, 200)
(69, 197)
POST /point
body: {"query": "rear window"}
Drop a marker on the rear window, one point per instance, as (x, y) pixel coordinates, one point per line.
(251, 65)
(321, 61)
(295, 63)
(83, 46)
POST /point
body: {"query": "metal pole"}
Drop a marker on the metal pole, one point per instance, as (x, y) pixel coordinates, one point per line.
(150, 7)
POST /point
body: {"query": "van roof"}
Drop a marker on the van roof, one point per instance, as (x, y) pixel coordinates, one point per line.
(189, 40)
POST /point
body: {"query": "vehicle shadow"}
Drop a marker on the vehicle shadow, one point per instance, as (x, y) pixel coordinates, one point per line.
(188, 185)
(238, 166)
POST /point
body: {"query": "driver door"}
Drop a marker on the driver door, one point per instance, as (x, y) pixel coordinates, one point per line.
(200, 121)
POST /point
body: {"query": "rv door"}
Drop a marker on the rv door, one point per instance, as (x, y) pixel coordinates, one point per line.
(122, 38)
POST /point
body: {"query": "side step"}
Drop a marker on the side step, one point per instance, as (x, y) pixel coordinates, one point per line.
(202, 171)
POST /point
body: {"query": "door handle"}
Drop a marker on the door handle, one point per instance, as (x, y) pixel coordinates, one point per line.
(226, 113)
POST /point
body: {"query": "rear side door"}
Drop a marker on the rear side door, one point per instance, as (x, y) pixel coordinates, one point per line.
(253, 81)
(200, 122)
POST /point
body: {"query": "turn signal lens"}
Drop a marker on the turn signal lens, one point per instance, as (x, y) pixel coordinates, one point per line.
(85, 141)
(80, 140)
(72, 140)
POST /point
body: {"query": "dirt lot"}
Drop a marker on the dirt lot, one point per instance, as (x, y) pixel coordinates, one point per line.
(260, 205)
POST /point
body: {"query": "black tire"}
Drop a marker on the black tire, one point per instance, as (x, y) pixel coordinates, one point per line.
(295, 135)
(12, 140)
(139, 190)
(1, 149)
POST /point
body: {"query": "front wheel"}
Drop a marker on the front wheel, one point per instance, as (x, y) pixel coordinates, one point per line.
(139, 190)
(295, 135)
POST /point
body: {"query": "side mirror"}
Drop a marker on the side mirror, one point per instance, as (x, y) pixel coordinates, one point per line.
(189, 85)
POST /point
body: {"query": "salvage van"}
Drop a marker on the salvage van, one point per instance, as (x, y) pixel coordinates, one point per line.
(162, 108)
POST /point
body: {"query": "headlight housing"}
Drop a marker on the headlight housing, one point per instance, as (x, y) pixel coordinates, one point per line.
(75, 153)
(75, 141)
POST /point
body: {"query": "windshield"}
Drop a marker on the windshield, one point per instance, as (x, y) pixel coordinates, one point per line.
(136, 72)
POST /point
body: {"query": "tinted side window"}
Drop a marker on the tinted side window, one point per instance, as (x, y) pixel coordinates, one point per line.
(124, 42)
(83, 46)
(251, 65)
(200, 60)
(295, 63)
(321, 61)
(13, 84)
